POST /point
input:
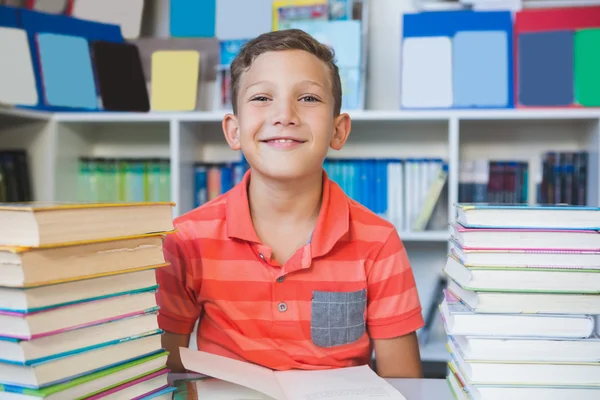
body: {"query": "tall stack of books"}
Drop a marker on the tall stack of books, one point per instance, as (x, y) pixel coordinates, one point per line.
(523, 290)
(78, 313)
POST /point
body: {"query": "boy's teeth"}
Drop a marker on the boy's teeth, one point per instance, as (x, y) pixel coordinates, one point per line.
(283, 140)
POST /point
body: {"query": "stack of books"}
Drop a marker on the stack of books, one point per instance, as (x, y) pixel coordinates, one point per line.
(520, 305)
(78, 312)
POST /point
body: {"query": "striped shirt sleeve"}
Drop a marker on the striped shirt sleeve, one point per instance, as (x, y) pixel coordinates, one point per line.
(393, 307)
(176, 296)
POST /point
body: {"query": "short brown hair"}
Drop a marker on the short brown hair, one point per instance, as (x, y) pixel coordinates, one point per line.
(288, 39)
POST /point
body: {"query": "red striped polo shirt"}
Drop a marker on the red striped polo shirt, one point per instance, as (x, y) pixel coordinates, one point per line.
(351, 283)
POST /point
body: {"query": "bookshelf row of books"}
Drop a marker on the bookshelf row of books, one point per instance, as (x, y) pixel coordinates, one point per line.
(408, 192)
(562, 178)
(107, 180)
(78, 313)
(15, 179)
(521, 301)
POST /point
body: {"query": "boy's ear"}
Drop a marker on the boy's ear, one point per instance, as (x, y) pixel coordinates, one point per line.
(232, 131)
(341, 130)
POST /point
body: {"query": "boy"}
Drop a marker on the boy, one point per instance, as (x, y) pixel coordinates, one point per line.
(285, 270)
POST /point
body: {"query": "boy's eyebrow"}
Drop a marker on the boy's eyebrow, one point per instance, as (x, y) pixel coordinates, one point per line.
(254, 84)
(311, 82)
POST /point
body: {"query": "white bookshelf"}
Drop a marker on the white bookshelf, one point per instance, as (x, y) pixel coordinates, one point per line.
(56, 141)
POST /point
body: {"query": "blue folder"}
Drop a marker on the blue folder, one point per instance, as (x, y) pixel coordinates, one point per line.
(37, 22)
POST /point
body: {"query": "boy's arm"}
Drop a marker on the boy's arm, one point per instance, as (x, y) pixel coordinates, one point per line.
(398, 357)
(178, 284)
(394, 312)
(172, 342)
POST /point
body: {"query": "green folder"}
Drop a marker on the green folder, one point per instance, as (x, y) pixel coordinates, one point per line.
(587, 67)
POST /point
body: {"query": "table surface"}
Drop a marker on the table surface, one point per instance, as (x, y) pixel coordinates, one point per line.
(422, 389)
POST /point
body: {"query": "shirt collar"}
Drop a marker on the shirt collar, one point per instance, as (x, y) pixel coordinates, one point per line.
(332, 222)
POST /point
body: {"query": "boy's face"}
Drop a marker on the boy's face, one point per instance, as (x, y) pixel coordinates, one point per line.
(285, 123)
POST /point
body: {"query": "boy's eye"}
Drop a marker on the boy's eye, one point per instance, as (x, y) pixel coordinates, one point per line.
(260, 98)
(309, 99)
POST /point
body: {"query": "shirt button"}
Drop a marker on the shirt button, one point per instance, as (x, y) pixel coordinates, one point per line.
(282, 307)
(281, 279)
(261, 256)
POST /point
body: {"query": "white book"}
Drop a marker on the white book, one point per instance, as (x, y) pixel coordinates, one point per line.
(464, 389)
(254, 382)
(526, 258)
(505, 348)
(526, 372)
(527, 303)
(558, 216)
(401, 195)
(392, 201)
(408, 192)
(459, 319)
(549, 280)
(528, 239)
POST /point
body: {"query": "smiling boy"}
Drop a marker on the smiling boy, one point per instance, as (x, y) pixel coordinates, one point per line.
(285, 270)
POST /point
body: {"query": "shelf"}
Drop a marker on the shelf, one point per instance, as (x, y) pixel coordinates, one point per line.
(56, 140)
(358, 116)
(425, 236)
(113, 117)
(14, 113)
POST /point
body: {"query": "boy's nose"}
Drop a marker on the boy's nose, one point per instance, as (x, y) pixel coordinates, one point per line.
(285, 114)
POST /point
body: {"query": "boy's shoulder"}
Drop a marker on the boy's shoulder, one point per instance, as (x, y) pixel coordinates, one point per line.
(362, 217)
(363, 222)
(211, 211)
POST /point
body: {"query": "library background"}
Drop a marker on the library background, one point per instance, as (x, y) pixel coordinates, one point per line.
(451, 101)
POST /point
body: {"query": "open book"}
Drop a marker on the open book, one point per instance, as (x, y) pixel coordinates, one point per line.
(236, 380)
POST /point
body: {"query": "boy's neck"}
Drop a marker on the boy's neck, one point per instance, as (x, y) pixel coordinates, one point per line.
(274, 201)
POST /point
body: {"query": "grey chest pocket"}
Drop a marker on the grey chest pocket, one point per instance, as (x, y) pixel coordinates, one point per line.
(337, 318)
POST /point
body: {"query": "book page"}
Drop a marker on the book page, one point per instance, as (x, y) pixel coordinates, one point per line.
(215, 389)
(337, 384)
(245, 374)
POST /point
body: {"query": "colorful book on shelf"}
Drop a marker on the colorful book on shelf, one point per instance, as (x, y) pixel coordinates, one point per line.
(288, 15)
(431, 199)
(93, 383)
(520, 216)
(552, 279)
(279, 4)
(47, 223)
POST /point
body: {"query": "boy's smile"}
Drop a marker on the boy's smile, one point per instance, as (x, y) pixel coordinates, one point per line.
(283, 142)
